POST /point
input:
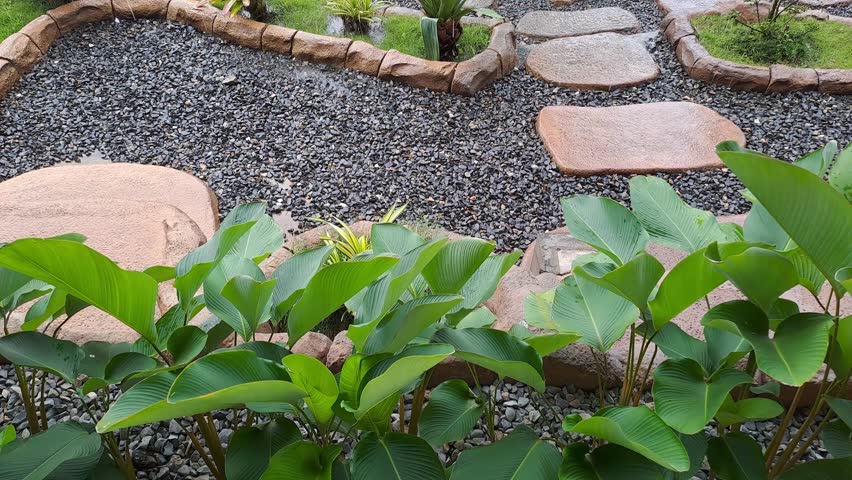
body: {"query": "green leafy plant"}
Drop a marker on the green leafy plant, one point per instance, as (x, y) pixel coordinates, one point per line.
(356, 14)
(347, 244)
(448, 28)
(797, 233)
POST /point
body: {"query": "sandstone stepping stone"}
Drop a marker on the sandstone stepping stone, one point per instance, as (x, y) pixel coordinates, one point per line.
(604, 61)
(648, 138)
(474, 4)
(545, 25)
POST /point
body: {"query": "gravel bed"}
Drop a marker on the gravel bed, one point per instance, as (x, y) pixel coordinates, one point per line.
(162, 450)
(841, 10)
(317, 141)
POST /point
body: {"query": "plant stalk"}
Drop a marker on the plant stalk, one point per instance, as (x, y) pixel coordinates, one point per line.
(417, 404)
(772, 449)
(27, 400)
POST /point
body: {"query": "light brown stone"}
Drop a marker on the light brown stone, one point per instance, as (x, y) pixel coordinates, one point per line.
(140, 8)
(341, 348)
(21, 51)
(476, 73)
(835, 82)
(642, 138)
(690, 51)
(417, 72)
(80, 12)
(190, 12)
(134, 234)
(8, 77)
(278, 39)
(365, 58)
(121, 181)
(678, 28)
(239, 30)
(549, 24)
(789, 79)
(503, 42)
(42, 31)
(604, 61)
(735, 75)
(321, 49)
(313, 344)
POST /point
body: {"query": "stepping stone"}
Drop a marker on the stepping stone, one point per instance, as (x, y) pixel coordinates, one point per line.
(604, 61)
(474, 4)
(546, 25)
(647, 138)
(688, 7)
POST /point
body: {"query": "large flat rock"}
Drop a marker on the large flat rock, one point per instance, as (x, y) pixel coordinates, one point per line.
(545, 25)
(647, 138)
(604, 61)
(124, 181)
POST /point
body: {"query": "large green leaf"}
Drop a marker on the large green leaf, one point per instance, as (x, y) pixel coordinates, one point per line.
(250, 449)
(393, 238)
(598, 315)
(452, 412)
(538, 309)
(607, 462)
(638, 429)
(186, 342)
(841, 407)
(546, 343)
(817, 217)
(809, 275)
(223, 308)
(521, 455)
(669, 220)
(841, 356)
(633, 281)
(293, 276)
(837, 438)
(736, 456)
(251, 298)
(330, 288)
(606, 225)
(840, 176)
(483, 283)
(755, 409)
(826, 469)
(316, 379)
(761, 275)
(96, 356)
(89, 276)
(392, 374)
(395, 456)
(759, 226)
(455, 264)
(685, 399)
(302, 461)
(49, 307)
(66, 450)
(497, 351)
(40, 351)
(262, 239)
(192, 269)
(393, 333)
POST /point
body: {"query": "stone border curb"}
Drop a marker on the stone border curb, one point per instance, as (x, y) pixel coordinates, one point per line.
(700, 65)
(22, 50)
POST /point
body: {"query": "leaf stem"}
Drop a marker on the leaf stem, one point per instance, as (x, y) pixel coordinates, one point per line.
(417, 404)
(772, 449)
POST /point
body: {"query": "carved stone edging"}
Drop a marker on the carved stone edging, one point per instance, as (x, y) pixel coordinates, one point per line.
(22, 50)
(700, 65)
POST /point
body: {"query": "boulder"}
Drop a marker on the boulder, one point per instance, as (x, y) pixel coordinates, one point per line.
(8, 77)
(476, 73)
(503, 42)
(80, 12)
(21, 51)
(474, 4)
(546, 25)
(790, 79)
(239, 30)
(312, 343)
(121, 181)
(690, 51)
(555, 252)
(42, 31)
(321, 49)
(190, 12)
(364, 57)
(835, 82)
(642, 138)
(278, 39)
(604, 61)
(417, 72)
(340, 349)
(736, 75)
(140, 8)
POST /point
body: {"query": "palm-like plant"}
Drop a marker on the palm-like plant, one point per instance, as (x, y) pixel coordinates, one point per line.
(356, 14)
(448, 14)
(346, 242)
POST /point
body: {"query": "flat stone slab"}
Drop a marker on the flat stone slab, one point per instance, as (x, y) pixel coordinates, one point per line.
(604, 61)
(545, 25)
(645, 138)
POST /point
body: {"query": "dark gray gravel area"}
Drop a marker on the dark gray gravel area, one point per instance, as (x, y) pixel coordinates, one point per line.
(317, 141)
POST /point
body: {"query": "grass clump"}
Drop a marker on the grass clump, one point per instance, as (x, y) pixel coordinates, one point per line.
(15, 14)
(798, 42)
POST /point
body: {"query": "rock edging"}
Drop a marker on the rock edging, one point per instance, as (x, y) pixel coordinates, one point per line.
(21, 51)
(701, 65)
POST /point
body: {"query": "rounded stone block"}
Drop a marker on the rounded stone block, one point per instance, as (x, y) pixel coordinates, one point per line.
(835, 82)
(239, 30)
(476, 73)
(789, 79)
(118, 181)
(604, 61)
(417, 72)
(645, 138)
(189, 12)
(735, 75)
(21, 51)
(364, 57)
(140, 8)
(42, 31)
(546, 25)
(278, 39)
(503, 42)
(80, 12)
(8, 77)
(321, 49)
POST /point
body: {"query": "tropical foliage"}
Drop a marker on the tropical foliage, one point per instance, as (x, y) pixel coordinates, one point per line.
(356, 14)
(442, 28)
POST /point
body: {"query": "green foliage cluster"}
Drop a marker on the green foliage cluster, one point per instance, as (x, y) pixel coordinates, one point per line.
(417, 302)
